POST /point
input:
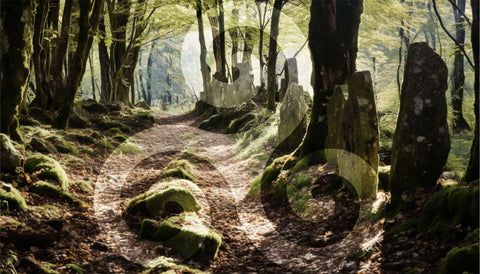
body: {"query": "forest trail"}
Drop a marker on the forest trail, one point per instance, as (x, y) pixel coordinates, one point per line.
(250, 241)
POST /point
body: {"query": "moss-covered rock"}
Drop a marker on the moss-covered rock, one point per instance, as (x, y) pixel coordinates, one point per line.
(11, 198)
(120, 137)
(168, 266)
(10, 158)
(82, 139)
(145, 119)
(40, 145)
(105, 125)
(179, 168)
(218, 121)
(187, 235)
(94, 107)
(165, 198)
(49, 169)
(461, 260)
(238, 124)
(129, 148)
(40, 115)
(47, 190)
(78, 121)
(452, 204)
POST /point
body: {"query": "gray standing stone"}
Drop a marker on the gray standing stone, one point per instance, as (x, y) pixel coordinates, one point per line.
(291, 76)
(353, 137)
(421, 141)
(292, 126)
(10, 158)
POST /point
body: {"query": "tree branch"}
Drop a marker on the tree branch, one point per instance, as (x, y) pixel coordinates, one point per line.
(449, 35)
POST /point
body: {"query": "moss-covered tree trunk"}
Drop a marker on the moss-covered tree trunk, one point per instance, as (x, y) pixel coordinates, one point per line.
(333, 35)
(16, 34)
(472, 172)
(459, 123)
(104, 60)
(272, 55)
(77, 66)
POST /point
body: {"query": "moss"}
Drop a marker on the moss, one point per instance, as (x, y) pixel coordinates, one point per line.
(94, 107)
(473, 237)
(461, 260)
(188, 236)
(406, 225)
(40, 115)
(239, 123)
(177, 173)
(27, 121)
(115, 130)
(45, 189)
(75, 268)
(129, 148)
(11, 198)
(82, 139)
(145, 119)
(166, 265)
(452, 204)
(104, 143)
(49, 169)
(67, 147)
(96, 135)
(255, 188)
(164, 198)
(120, 137)
(106, 125)
(84, 184)
(189, 136)
(170, 199)
(147, 228)
(218, 121)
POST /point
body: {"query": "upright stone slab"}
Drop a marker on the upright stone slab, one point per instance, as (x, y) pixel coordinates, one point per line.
(291, 76)
(421, 141)
(292, 124)
(353, 139)
(243, 85)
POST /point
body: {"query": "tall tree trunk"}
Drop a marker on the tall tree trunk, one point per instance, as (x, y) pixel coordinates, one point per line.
(59, 68)
(149, 75)
(104, 63)
(261, 29)
(41, 95)
(217, 43)
(459, 123)
(16, 34)
(140, 83)
(92, 78)
(77, 67)
(472, 172)
(272, 55)
(234, 36)
(221, 27)
(333, 35)
(247, 47)
(203, 48)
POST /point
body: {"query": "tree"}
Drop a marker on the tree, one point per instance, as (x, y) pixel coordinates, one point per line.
(88, 21)
(459, 123)
(272, 54)
(333, 33)
(205, 69)
(16, 35)
(472, 172)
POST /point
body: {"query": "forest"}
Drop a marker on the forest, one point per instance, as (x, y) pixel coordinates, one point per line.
(235, 136)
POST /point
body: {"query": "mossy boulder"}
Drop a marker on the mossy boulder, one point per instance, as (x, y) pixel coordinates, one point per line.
(49, 169)
(40, 115)
(48, 190)
(452, 204)
(187, 235)
(105, 125)
(40, 145)
(145, 119)
(171, 197)
(179, 168)
(461, 260)
(218, 121)
(10, 158)
(78, 121)
(142, 104)
(11, 198)
(167, 265)
(120, 137)
(94, 107)
(82, 139)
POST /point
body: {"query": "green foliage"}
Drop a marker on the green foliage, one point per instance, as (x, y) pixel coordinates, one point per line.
(11, 199)
(47, 190)
(75, 268)
(461, 260)
(49, 169)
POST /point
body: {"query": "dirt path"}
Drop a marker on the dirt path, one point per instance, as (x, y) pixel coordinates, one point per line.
(251, 242)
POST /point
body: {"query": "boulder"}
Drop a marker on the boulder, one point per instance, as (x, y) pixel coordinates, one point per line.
(94, 107)
(40, 145)
(11, 198)
(166, 197)
(421, 142)
(142, 104)
(186, 234)
(10, 158)
(49, 169)
(77, 121)
(292, 126)
(48, 190)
